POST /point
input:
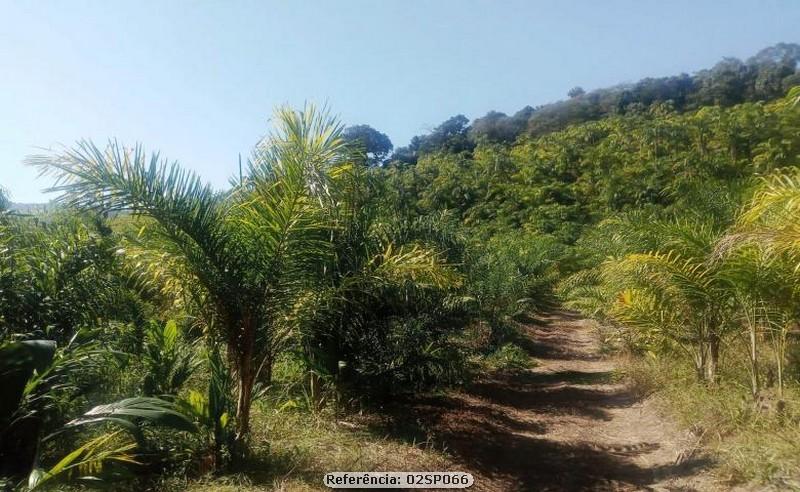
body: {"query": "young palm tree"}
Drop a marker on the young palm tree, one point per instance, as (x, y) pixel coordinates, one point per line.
(58, 273)
(244, 254)
(681, 300)
(676, 294)
(768, 234)
(766, 294)
(380, 269)
(772, 218)
(37, 377)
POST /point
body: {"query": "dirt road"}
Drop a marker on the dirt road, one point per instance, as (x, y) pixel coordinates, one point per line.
(565, 425)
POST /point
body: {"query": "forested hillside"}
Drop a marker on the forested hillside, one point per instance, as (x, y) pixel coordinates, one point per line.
(670, 219)
(659, 160)
(156, 332)
(763, 77)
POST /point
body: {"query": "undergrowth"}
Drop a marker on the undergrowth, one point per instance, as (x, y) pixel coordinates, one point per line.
(508, 357)
(294, 447)
(754, 440)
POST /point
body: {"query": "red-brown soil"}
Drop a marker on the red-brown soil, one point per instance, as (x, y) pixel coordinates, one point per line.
(567, 424)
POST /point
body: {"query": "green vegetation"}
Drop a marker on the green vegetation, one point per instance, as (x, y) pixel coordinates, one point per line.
(755, 441)
(176, 300)
(155, 331)
(670, 220)
(509, 357)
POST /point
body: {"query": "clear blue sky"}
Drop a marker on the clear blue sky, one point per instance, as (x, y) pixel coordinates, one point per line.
(198, 79)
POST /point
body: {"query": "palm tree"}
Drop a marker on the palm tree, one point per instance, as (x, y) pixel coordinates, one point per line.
(767, 297)
(669, 297)
(677, 294)
(243, 255)
(700, 284)
(380, 268)
(37, 377)
(772, 218)
(768, 233)
(58, 273)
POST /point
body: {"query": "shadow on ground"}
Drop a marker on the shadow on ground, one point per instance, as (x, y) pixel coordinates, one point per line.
(497, 427)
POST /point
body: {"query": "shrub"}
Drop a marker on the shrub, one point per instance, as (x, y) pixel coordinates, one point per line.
(509, 357)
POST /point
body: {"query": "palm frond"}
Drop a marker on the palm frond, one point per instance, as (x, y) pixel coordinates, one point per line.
(310, 139)
(770, 220)
(87, 462)
(416, 264)
(117, 179)
(688, 279)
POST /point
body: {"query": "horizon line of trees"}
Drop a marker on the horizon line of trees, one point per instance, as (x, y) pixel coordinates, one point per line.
(763, 77)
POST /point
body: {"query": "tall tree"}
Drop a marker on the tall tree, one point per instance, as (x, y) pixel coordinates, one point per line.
(375, 145)
(576, 91)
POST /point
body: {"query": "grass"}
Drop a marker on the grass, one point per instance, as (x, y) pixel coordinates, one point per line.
(755, 442)
(508, 357)
(495, 349)
(293, 447)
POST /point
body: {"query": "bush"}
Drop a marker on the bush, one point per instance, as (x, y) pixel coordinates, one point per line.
(510, 274)
(509, 357)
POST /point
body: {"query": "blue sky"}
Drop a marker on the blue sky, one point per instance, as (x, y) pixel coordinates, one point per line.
(198, 79)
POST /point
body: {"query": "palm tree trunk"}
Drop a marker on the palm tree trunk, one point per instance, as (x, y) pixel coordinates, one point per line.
(713, 358)
(316, 390)
(700, 361)
(243, 404)
(246, 379)
(754, 381)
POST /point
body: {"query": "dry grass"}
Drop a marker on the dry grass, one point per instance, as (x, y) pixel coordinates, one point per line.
(754, 442)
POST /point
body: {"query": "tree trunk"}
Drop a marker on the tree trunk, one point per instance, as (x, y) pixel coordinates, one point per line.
(243, 404)
(754, 381)
(316, 390)
(700, 361)
(713, 359)
(246, 379)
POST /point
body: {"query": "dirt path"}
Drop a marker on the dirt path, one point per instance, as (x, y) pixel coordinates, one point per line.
(565, 425)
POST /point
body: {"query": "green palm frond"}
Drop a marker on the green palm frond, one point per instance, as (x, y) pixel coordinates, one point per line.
(87, 462)
(120, 179)
(794, 96)
(692, 237)
(641, 310)
(310, 139)
(688, 279)
(416, 264)
(190, 214)
(776, 200)
(771, 220)
(284, 226)
(587, 291)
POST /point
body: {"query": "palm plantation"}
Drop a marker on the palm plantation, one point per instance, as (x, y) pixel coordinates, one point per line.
(253, 255)
(157, 331)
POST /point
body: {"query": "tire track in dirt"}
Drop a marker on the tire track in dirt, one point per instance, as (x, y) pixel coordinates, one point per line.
(564, 425)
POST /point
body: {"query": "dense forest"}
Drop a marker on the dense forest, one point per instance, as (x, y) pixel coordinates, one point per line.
(148, 321)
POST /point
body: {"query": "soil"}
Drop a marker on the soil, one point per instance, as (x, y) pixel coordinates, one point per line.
(567, 424)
